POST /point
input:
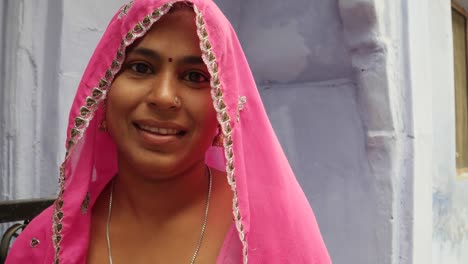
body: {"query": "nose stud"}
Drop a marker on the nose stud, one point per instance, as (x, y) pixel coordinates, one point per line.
(177, 102)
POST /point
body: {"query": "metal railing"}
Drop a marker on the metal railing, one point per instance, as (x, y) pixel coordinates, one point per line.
(18, 211)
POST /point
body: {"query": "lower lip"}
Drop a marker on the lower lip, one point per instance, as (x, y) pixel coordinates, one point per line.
(155, 139)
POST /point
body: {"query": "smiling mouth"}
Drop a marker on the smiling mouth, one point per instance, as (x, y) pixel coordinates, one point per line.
(161, 131)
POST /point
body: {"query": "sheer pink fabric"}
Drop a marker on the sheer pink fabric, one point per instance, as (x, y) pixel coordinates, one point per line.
(273, 221)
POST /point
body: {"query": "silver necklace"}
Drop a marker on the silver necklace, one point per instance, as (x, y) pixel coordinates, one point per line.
(202, 233)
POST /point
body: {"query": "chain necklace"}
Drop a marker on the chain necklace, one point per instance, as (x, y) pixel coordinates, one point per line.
(203, 228)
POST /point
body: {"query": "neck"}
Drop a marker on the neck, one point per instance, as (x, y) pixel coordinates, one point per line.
(156, 199)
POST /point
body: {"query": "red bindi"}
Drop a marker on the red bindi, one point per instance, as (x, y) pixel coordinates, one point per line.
(170, 60)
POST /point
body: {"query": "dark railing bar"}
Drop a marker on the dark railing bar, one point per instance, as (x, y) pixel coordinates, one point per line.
(19, 210)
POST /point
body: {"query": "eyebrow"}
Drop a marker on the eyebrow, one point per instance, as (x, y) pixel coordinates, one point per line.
(146, 53)
(154, 55)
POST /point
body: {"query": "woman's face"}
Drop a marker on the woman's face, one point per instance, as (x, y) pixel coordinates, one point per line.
(159, 109)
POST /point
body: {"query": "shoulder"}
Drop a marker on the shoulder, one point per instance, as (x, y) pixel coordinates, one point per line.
(39, 230)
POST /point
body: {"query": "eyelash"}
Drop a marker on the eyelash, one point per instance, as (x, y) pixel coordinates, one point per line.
(186, 76)
(136, 64)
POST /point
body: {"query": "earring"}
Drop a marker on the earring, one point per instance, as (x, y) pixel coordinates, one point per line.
(219, 138)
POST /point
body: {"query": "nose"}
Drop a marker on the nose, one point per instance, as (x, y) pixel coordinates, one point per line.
(163, 93)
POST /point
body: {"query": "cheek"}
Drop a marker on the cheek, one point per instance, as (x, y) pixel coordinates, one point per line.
(209, 114)
(202, 111)
(211, 123)
(114, 104)
(212, 118)
(113, 116)
(124, 96)
(120, 103)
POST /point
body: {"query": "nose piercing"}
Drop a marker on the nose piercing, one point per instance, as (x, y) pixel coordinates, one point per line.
(177, 101)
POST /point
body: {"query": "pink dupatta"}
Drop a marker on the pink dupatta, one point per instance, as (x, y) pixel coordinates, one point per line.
(273, 219)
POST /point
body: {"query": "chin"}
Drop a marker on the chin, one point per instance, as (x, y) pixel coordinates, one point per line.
(163, 167)
(159, 168)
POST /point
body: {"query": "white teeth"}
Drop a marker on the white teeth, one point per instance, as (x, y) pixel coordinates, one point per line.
(162, 131)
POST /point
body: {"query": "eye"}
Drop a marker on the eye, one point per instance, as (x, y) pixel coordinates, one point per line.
(141, 68)
(196, 77)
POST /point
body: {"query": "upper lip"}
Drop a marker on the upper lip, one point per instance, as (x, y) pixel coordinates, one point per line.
(159, 124)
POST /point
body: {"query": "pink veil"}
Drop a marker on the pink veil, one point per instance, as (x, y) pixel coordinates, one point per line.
(273, 218)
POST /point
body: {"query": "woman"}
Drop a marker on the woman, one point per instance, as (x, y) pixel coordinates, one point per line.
(170, 155)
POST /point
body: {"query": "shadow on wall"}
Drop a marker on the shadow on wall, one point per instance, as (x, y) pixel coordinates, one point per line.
(287, 42)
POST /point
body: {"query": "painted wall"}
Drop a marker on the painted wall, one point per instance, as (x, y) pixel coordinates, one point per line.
(328, 156)
(28, 117)
(315, 110)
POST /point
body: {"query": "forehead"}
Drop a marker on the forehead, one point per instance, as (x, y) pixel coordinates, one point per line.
(174, 33)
